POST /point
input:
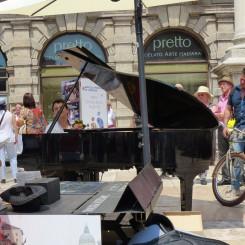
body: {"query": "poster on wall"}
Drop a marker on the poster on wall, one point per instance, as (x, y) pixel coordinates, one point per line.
(50, 229)
(93, 104)
(73, 102)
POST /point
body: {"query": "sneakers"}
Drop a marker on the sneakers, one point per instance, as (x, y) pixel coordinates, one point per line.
(236, 193)
(3, 181)
(203, 182)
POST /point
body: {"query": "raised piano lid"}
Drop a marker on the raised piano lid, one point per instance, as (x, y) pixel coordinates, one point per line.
(168, 107)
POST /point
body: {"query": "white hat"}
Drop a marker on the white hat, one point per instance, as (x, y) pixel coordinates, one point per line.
(179, 86)
(2, 101)
(203, 89)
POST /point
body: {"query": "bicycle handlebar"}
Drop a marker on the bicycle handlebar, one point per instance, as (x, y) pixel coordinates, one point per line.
(240, 136)
(239, 131)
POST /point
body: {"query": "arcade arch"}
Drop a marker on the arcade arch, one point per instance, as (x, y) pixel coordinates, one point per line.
(177, 56)
(55, 71)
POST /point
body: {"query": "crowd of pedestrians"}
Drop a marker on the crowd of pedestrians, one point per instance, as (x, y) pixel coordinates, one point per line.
(28, 118)
(230, 106)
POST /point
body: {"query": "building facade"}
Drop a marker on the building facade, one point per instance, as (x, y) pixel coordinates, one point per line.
(183, 44)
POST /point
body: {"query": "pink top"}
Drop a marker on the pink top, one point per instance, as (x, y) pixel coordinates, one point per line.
(222, 103)
(220, 107)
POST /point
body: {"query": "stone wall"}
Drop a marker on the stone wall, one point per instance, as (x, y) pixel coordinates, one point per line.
(24, 39)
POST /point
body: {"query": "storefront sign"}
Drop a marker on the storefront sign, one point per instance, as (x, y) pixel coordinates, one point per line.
(69, 41)
(174, 45)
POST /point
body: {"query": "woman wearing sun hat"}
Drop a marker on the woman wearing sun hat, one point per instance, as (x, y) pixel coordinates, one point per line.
(204, 96)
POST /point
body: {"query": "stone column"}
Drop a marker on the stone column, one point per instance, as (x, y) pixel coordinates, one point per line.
(22, 77)
(124, 58)
(234, 59)
(239, 6)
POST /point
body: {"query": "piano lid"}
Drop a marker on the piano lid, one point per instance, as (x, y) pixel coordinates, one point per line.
(168, 107)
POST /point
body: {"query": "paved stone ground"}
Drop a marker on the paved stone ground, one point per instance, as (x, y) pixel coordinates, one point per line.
(219, 222)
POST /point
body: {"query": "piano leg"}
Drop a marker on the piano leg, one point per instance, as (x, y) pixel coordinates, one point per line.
(92, 175)
(186, 188)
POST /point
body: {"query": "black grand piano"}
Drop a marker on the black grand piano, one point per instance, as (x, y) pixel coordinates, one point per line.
(182, 132)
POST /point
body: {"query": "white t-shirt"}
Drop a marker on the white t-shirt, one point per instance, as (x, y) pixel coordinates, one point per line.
(111, 117)
(6, 127)
(56, 130)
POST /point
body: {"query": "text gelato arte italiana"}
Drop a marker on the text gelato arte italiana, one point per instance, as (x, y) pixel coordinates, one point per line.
(169, 47)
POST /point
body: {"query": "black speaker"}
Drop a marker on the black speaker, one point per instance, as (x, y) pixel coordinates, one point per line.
(52, 185)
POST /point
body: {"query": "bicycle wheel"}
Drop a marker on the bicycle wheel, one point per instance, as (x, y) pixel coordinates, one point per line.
(226, 194)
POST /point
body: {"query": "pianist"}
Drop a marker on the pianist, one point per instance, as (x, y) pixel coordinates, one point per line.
(63, 122)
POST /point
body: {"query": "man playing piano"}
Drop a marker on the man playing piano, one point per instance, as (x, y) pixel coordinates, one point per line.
(63, 122)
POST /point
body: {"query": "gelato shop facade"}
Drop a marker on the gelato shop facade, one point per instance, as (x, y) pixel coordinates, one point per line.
(182, 43)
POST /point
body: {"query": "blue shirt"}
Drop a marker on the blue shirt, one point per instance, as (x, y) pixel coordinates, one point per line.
(237, 102)
(100, 122)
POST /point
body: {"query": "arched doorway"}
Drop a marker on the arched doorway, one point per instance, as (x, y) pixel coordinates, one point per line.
(54, 70)
(176, 56)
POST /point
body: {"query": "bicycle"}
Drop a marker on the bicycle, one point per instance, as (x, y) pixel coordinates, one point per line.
(226, 193)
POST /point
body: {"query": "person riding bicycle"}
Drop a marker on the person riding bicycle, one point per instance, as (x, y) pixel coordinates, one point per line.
(236, 107)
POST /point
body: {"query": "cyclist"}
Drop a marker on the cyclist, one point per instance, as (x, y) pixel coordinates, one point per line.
(236, 107)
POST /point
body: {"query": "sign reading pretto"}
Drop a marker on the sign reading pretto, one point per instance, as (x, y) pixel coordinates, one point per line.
(69, 41)
(173, 45)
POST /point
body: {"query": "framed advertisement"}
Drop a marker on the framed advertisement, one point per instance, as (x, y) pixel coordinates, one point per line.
(50, 229)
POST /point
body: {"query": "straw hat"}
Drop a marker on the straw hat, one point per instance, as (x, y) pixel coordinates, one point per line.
(203, 89)
(226, 79)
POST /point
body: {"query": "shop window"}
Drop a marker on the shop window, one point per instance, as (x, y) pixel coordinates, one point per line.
(51, 88)
(175, 56)
(190, 81)
(55, 70)
(3, 74)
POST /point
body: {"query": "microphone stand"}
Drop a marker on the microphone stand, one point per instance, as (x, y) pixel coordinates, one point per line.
(142, 83)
